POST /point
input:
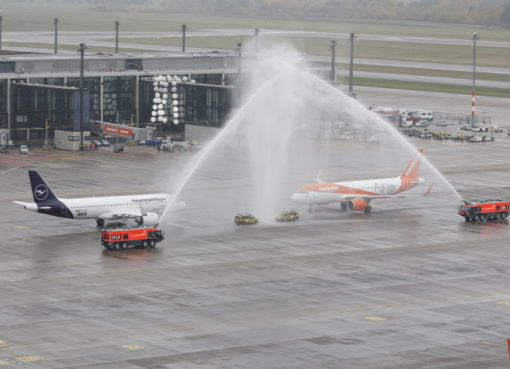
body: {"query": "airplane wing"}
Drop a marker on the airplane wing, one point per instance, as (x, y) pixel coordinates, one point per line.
(123, 214)
(21, 203)
(370, 197)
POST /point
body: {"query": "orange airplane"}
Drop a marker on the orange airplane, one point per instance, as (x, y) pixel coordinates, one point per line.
(357, 195)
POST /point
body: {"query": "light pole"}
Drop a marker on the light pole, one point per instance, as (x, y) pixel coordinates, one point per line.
(55, 23)
(1, 18)
(473, 95)
(117, 24)
(333, 54)
(257, 30)
(239, 50)
(82, 67)
(46, 128)
(184, 28)
(351, 63)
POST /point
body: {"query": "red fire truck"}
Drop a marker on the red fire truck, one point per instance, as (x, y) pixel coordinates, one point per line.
(484, 210)
(119, 239)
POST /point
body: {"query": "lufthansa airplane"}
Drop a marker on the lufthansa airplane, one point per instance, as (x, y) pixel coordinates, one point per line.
(112, 209)
(357, 195)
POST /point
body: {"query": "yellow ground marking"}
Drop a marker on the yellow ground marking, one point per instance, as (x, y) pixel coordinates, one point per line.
(504, 302)
(375, 318)
(28, 359)
(132, 347)
(22, 227)
(3, 343)
(3, 362)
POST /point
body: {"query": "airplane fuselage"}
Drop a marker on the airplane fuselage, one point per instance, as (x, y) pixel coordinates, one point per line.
(326, 193)
(95, 207)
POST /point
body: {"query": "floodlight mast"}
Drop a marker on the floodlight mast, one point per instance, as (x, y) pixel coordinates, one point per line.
(351, 65)
(184, 28)
(333, 54)
(55, 23)
(82, 67)
(117, 24)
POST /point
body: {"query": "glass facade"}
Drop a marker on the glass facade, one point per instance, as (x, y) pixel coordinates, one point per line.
(207, 105)
(92, 84)
(211, 79)
(48, 81)
(34, 105)
(119, 99)
(3, 104)
(35, 101)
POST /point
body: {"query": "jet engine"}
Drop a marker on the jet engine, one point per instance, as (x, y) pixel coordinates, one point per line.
(357, 204)
(151, 219)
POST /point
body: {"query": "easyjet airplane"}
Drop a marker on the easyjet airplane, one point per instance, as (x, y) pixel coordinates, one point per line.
(111, 209)
(357, 195)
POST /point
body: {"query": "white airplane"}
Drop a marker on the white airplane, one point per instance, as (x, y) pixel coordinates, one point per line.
(357, 195)
(111, 209)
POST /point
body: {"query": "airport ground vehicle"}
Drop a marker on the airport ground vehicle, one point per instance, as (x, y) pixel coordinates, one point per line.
(23, 149)
(120, 238)
(479, 129)
(484, 210)
(422, 123)
(288, 216)
(245, 219)
(480, 138)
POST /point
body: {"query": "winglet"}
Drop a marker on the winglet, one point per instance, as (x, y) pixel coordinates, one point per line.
(429, 190)
(142, 210)
(319, 179)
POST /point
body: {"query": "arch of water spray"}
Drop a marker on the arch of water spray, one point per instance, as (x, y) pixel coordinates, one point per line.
(279, 124)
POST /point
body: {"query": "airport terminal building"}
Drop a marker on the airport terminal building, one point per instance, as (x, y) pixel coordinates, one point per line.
(42, 90)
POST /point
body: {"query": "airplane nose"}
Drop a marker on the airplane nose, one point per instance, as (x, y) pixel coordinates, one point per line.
(298, 197)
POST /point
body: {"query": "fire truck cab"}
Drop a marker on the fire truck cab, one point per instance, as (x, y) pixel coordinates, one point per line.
(119, 239)
(484, 210)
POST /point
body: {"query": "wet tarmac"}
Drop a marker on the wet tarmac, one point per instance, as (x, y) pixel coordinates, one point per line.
(409, 286)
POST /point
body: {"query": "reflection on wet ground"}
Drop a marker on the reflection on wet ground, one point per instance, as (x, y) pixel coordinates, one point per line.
(411, 284)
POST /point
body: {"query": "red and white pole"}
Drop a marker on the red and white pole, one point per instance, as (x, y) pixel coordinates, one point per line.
(473, 96)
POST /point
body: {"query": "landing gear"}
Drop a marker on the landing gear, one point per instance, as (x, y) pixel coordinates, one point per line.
(100, 223)
(368, 209)
(343, 207)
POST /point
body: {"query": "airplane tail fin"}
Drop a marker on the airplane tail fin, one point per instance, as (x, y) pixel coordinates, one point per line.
(410, 176)
(41, 191)
(412, 169)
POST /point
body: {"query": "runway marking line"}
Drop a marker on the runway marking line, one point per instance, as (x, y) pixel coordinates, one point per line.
(22, 227)
(375, 318)
(504, 302)
(28, 359)
(3, 362)
(3, 343)
(133, 347)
